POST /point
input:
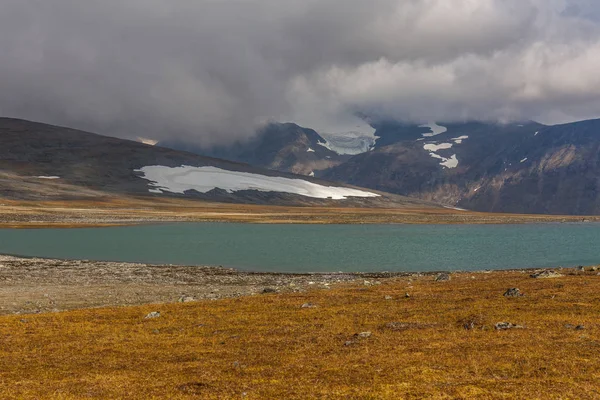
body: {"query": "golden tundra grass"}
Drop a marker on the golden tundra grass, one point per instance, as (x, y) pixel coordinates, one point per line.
(101, 212)
(268, 347)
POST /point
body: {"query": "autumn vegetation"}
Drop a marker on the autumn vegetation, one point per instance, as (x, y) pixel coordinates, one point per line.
(120, 210)
(428, 339)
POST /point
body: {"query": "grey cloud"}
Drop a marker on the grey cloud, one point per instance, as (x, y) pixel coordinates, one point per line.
(214, 70)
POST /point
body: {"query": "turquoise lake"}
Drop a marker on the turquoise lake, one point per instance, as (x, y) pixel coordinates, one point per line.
(320, 248)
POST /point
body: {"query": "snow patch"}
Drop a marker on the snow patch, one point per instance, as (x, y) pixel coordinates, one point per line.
(455, 208)
(535, 134)
(47, 177)
(310, 150)
(205, 179)
(312, 174)
(523, 160)
(326, 145)
(435, 129)
(451, 162)
(460, 139)
(436, 147)
(150, 142)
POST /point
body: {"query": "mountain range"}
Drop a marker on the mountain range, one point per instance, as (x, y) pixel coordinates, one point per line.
(40, 162)
(524, 167)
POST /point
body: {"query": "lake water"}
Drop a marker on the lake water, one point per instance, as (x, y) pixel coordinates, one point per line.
(314, 248)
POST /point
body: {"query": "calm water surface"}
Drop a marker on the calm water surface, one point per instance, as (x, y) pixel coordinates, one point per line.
(303, 248)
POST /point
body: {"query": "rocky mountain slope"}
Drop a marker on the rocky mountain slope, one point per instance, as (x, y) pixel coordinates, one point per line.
(282, 147)
(40, 161)
(524, 167)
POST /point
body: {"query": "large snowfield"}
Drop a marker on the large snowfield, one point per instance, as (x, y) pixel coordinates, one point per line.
(205, 179)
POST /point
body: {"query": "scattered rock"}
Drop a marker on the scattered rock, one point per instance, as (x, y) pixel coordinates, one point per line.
(185, 299)
(153, 314)
(269, 290)
(389, 298)
(406, 295)
(402, 326)
(356, 337)
(576, 327)
(502, 326)
(399, 326)
(443, 277)
(594, 269)
(513, 292)
(473, 321)
(546, 274)
(308, 305)
(580, 268)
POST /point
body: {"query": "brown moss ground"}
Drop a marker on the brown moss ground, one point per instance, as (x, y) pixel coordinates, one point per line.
(124, 210)
(266, 346)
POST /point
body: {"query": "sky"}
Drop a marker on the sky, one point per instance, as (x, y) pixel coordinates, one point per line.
(213, 71)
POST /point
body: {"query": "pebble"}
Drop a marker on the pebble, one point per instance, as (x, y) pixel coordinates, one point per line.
(308, 305)
(513, 292)
(502, 326)
(389, 298)
(185, 299)
(269, 290)
(545, 274)
(576, 327)
(443, 277)
(153, 314)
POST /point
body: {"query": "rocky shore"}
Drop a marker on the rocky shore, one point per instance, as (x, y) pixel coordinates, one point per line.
(37, 285)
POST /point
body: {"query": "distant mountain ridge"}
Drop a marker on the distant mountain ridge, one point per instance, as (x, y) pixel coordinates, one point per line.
(523, 167)
(283, 147)
(41, 161)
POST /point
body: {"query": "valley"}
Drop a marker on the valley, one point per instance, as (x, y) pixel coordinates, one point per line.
(111, 211)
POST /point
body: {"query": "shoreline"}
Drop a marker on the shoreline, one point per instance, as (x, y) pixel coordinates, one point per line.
(42, 285)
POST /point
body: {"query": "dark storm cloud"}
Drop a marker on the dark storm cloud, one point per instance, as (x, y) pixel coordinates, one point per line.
(216, 69)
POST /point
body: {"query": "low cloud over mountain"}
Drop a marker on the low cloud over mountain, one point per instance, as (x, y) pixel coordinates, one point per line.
(216, 70)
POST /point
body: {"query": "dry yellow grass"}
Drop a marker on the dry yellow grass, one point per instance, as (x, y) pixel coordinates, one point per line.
(266, 346)
(125, 210)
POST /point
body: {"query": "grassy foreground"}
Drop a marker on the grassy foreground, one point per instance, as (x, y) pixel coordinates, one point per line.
(267, 346)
